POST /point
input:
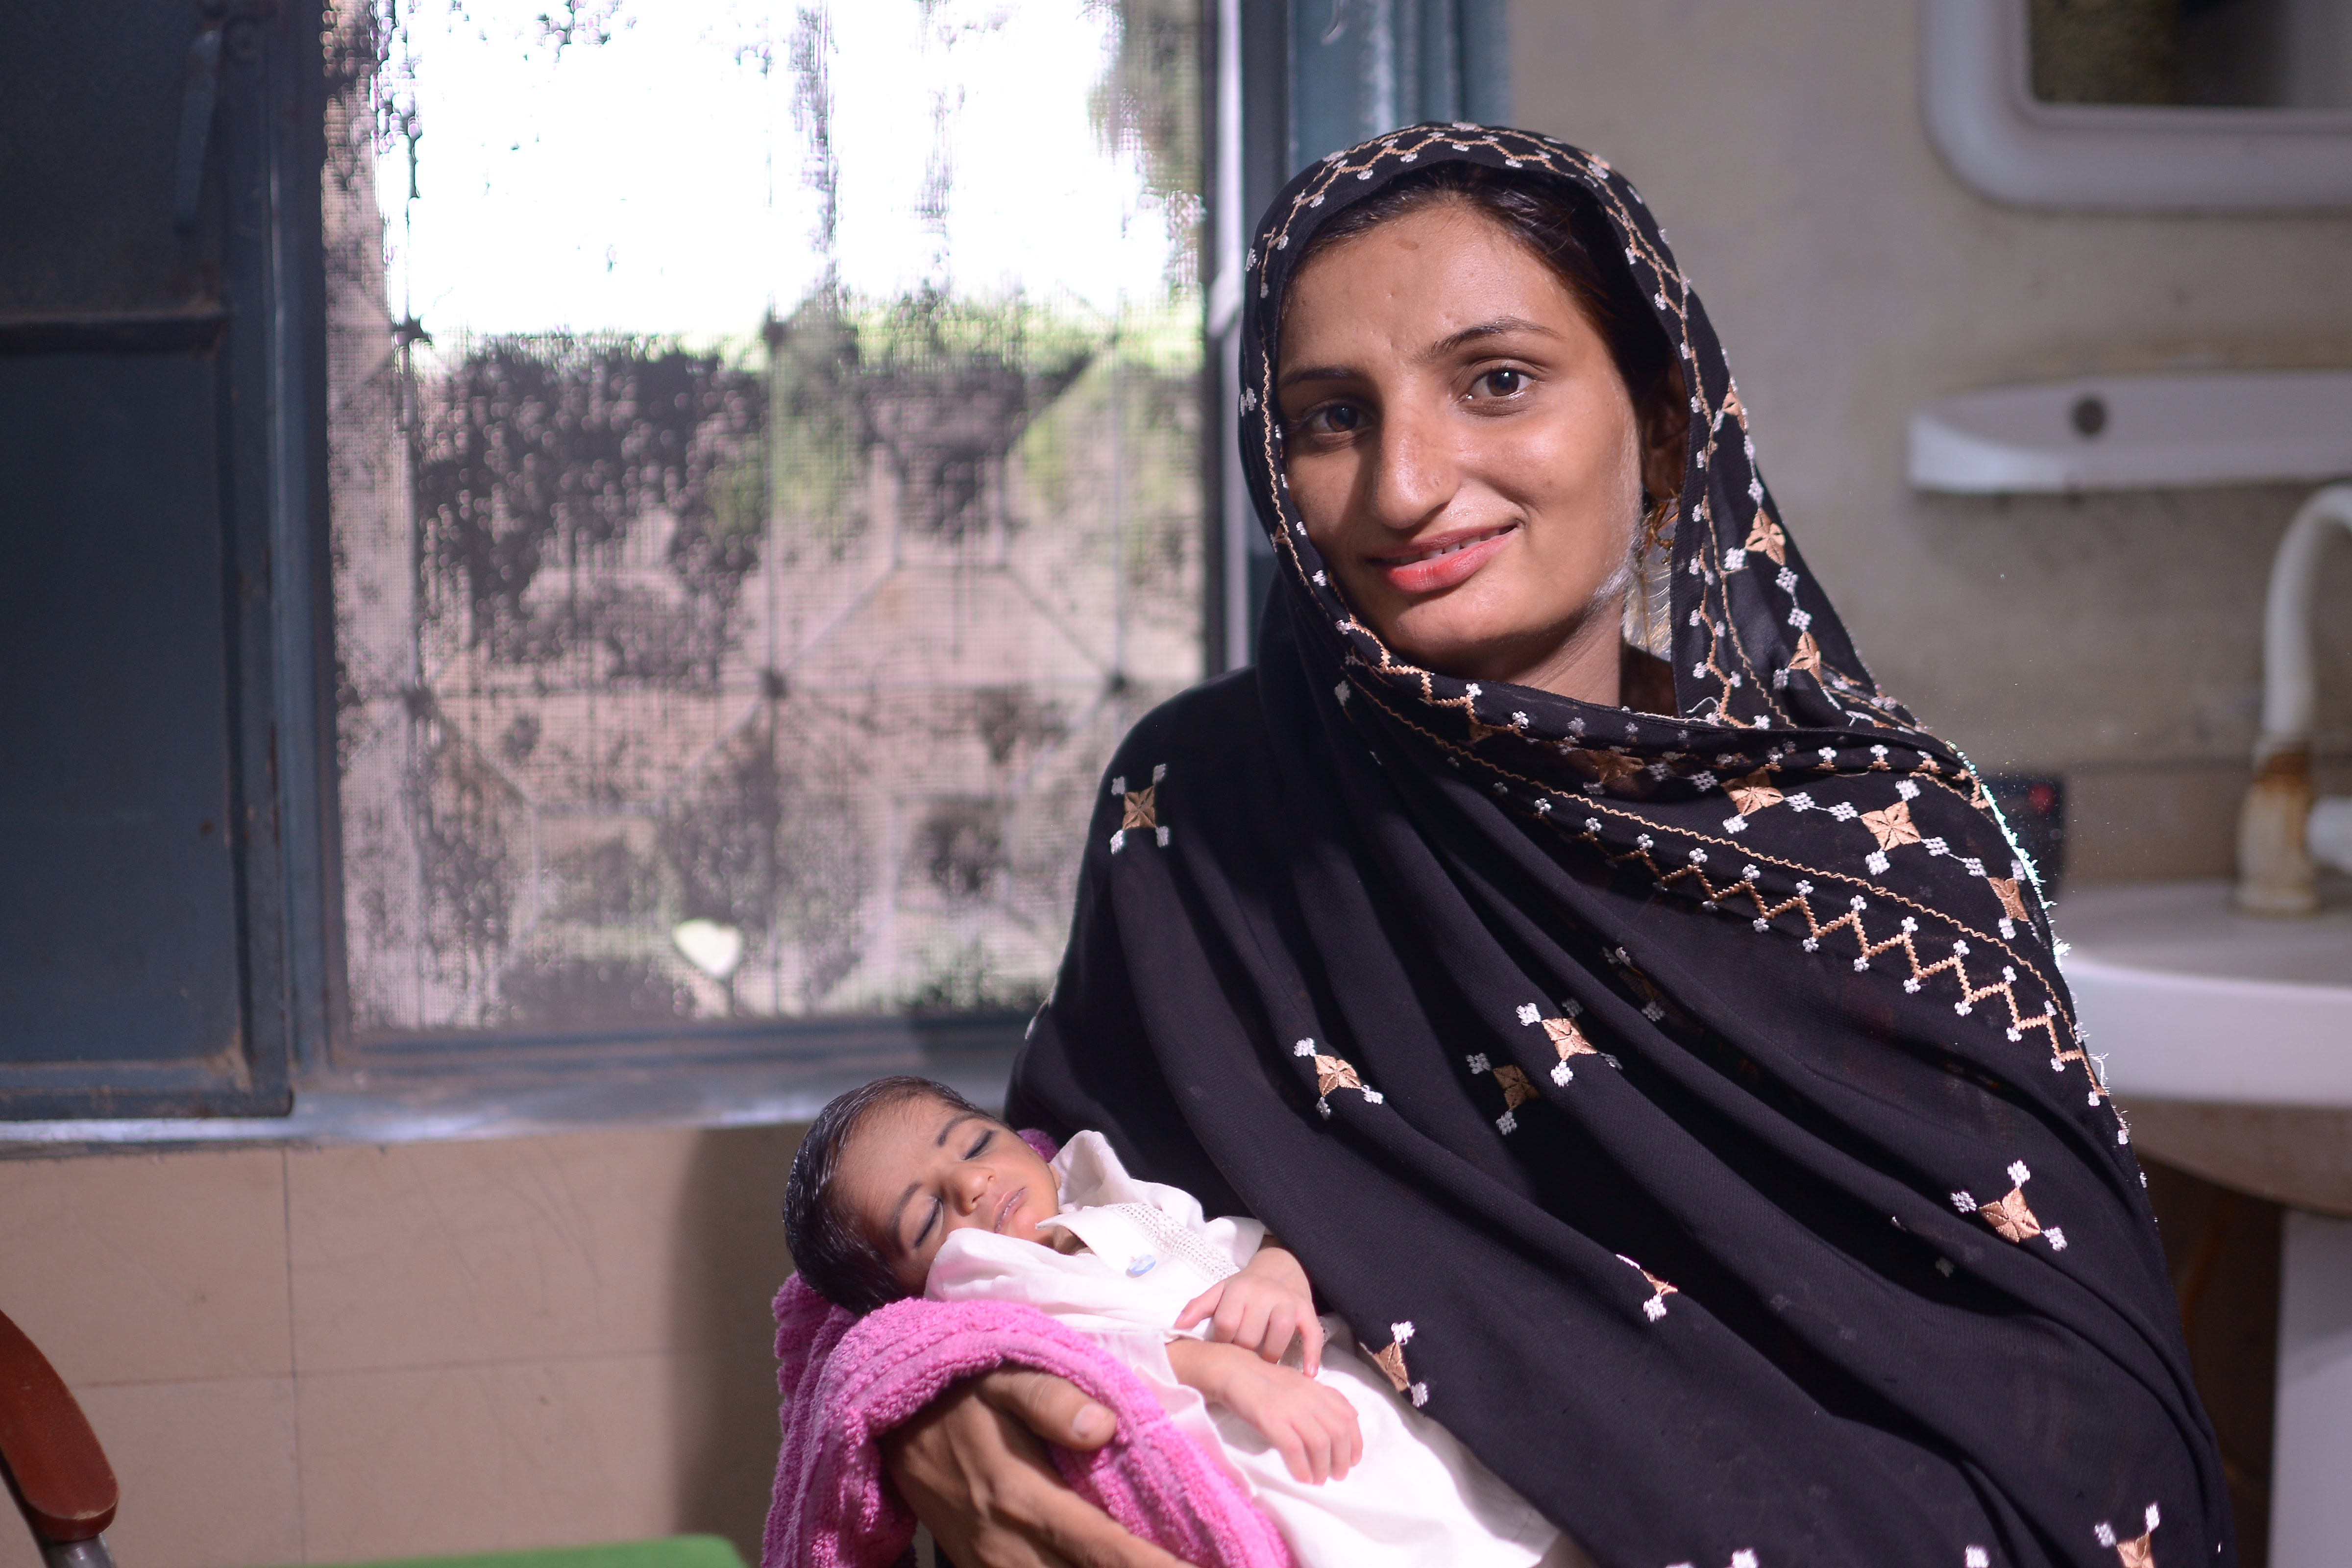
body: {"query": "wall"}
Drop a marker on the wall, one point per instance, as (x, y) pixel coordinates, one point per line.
(327, 1355)
(1852, 278)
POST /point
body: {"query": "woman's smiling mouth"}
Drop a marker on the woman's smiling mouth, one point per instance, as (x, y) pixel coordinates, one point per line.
(1434, 566)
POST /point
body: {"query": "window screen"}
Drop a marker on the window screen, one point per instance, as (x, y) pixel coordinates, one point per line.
(764, 454)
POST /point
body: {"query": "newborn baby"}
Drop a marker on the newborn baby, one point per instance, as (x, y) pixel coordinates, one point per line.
(903, 1188)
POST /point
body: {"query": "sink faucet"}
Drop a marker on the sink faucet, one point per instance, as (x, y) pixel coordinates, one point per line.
(2282, 830)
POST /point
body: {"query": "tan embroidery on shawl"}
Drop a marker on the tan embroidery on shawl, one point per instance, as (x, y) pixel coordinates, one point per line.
(1808, 657)
(1139, 809)
(1390, 1361)
(1892, 828)
(2011, 1216)
(1655, 1307)
(2138, 1552)
(1766, 538)
(1517, 1089)
(1567, 1039)
(1332, 1072)
(1754, 793)
(1607, 766)
(2012, 902)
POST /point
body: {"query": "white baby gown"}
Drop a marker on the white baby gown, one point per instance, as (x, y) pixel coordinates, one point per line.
(1418, 1497)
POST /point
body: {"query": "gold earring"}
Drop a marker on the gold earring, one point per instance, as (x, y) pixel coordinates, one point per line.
(1658, 526)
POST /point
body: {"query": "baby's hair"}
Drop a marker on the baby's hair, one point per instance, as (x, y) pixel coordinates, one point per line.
(835, 1254)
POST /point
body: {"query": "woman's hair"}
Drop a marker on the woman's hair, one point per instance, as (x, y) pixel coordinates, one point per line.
(835, 1253)
(1569, 236)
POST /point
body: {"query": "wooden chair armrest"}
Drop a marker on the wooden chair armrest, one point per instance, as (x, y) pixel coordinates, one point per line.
(49, 1455)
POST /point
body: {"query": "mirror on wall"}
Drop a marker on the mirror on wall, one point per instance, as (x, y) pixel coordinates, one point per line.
(2212, 54)
(2143, 105)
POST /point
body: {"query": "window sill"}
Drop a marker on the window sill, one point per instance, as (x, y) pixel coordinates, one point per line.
(502, 1091)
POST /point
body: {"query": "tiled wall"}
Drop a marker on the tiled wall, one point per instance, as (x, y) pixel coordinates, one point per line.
(331, 1354)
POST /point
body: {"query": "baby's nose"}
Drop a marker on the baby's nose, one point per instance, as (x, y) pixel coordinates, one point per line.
(971, 1186)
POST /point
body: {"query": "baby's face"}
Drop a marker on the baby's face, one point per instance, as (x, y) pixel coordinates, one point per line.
(917, 1171)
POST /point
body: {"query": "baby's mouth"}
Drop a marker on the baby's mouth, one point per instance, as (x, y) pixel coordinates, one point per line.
(1007, 1208)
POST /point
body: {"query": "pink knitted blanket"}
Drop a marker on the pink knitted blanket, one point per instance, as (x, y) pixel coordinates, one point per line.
(846, 1381)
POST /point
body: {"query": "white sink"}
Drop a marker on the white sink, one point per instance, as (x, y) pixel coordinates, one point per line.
(2136, 432)
(2228, 1040)
(2187, 999)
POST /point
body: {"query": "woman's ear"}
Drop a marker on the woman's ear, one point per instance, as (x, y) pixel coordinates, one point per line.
(1665, 434)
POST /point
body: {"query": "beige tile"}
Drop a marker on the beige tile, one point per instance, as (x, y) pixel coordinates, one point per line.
(619, 1242)
(727, 1255)
(147, 1267)
(484, 1458)
(206, 1470)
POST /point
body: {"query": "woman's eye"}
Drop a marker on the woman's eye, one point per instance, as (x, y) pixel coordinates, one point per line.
(1336, 419)
(1502, 382)
(979, 1143)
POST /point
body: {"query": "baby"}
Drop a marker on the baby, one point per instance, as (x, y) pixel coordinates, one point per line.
(903, 1188)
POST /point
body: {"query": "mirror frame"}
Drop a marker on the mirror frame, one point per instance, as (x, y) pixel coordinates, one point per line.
(2004, 144)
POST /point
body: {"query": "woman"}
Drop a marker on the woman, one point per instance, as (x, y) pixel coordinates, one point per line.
(1665, 1070)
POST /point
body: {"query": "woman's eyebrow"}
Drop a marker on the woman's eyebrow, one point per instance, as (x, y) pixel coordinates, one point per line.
(1451, 342)
(1319, 373)
(1499, 327)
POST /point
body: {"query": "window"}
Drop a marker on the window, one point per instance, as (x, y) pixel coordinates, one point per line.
(764, 462)
(647, 551)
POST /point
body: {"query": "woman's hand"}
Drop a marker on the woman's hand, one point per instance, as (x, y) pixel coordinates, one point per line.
(972, 1465)
(1313, 1428)
(1260, 1307)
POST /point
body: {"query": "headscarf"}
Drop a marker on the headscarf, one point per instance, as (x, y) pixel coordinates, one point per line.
(1685, 1110)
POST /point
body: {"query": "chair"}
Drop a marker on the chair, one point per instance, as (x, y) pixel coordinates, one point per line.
(51, 1459)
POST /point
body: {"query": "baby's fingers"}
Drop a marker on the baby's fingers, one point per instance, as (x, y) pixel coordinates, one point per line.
(1347, 1439)
(1241, 1320)
(1200, 1306)
(1310, 1339)
(1315, 1448)
(1277, 1336)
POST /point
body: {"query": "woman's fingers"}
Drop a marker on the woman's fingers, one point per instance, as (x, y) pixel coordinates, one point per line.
(1055, 1408)
(971, 1470)
(1200, 1306)
(1078, 1533)
(1310, 1340)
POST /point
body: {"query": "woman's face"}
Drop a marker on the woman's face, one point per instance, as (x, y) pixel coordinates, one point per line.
(1464, 451)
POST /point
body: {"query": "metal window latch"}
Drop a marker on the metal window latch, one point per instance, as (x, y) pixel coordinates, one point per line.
(200, 91)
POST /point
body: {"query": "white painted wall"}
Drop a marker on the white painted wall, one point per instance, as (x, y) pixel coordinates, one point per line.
(1852, 278)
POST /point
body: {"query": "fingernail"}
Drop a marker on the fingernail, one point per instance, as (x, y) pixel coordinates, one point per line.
(1092, 1424)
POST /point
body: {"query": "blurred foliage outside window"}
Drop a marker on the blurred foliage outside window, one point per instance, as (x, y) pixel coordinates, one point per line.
(739, 630)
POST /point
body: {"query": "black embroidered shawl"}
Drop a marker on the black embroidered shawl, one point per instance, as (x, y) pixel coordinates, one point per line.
(1687, 1111)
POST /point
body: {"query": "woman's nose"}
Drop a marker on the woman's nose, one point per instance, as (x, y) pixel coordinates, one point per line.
(1414, 471)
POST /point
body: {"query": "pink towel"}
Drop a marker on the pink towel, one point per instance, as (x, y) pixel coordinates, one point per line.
(846, 1381)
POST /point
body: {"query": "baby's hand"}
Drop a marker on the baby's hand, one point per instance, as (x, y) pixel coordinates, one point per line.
(1260, 1307)
(1311, 1427)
